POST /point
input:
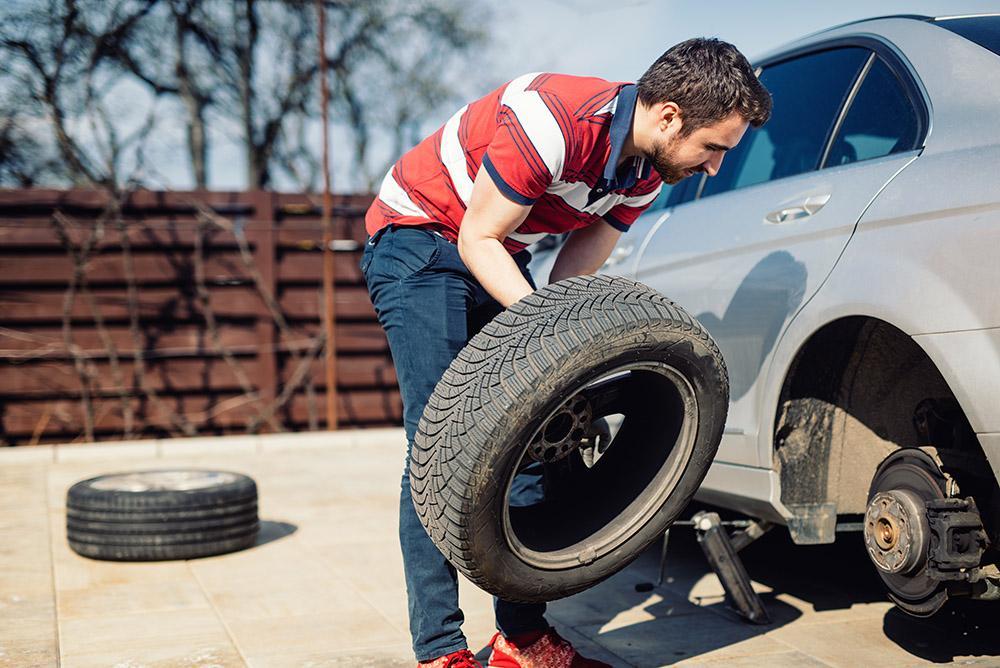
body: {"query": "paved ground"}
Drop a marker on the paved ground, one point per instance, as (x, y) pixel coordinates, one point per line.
(323, 587)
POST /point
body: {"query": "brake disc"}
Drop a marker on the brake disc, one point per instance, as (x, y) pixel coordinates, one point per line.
(896, 529)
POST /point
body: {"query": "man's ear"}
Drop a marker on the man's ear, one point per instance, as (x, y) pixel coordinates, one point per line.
(669, 117)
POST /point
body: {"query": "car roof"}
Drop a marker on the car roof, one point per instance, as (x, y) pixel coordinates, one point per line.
(819, 35)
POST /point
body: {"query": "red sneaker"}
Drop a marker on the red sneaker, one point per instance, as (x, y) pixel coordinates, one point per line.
(548, 650)
(463, 658)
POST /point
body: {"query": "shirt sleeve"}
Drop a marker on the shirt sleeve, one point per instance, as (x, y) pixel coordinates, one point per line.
(528, 150)
(622, 215)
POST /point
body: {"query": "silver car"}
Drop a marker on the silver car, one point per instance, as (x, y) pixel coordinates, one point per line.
(845, 260)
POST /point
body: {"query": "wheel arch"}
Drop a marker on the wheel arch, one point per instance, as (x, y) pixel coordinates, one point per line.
(855, 390)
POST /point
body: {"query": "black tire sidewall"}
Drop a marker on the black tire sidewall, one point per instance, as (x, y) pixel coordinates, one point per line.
(533, 583)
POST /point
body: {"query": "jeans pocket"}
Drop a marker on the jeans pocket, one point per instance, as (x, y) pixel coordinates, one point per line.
(366, 259)
(408, 252)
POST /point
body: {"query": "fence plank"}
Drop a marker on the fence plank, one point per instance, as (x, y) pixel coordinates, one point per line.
(40, 388)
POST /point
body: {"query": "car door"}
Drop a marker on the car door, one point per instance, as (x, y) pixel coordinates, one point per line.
(626, 253)
(768, 228)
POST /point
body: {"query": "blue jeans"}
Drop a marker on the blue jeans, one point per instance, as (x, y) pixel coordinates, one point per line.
(430, 305)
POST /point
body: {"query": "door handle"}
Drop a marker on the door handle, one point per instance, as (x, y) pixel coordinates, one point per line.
(808, 207)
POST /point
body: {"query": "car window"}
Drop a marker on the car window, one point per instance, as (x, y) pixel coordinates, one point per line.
(808, 93)
(880, 121)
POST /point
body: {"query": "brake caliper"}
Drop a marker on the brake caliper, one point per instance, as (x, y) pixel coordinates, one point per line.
(957, 541)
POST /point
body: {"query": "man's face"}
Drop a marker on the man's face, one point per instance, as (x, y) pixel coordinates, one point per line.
(677, 157)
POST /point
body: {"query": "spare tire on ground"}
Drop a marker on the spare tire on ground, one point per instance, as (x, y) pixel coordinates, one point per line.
(613, 392)
(161, 515)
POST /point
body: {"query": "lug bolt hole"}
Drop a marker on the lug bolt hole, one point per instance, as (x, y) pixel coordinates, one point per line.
(558, 428)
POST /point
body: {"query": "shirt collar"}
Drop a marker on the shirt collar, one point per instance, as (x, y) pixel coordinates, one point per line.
(621, 124)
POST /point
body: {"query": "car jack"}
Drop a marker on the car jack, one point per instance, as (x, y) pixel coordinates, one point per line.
(721, 550)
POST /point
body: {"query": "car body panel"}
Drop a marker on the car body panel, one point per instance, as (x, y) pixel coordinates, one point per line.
(744, 277)
(752, 490)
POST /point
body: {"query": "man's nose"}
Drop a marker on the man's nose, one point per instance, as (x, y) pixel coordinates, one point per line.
(712, 165)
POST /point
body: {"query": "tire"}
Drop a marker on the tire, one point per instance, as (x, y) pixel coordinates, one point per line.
(161, 515)
(515, 390)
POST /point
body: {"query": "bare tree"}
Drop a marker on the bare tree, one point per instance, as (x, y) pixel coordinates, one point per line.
(27, 157)
(242, 69)
(51, 54)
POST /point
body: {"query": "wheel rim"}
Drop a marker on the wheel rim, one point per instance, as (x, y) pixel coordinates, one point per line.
(163, 481)
(602, 506)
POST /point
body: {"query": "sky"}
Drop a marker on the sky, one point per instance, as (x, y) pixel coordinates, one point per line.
(618, 40)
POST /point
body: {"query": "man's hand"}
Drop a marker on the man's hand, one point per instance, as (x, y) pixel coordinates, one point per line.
(487, 222)
(585, 251)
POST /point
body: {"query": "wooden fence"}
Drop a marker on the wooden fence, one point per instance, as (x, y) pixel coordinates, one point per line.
(180, 313)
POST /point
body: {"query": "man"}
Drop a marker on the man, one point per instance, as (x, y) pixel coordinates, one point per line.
(545, 153)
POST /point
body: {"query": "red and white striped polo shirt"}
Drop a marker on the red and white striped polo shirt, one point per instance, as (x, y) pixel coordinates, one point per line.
(552, 141)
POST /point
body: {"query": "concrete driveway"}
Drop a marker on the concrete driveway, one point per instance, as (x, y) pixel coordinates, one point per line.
(324, 587)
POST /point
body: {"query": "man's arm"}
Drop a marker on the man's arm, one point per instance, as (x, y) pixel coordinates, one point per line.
(488, 220)
(585, 251)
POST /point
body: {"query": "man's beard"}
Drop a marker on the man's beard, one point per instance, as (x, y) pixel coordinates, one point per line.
(665, 165)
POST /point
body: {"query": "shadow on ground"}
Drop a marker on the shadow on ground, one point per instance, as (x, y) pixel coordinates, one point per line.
(685, 618)
(840, 575)
(272, 531)
(961, 628)
(836, 577)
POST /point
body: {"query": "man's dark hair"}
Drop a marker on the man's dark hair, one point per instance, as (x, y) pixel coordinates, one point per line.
(708, 79)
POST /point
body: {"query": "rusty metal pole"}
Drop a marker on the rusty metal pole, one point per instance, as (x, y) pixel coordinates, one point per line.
(328, 276)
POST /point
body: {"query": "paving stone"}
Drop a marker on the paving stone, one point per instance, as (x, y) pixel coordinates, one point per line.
(286, 443)
(170, 448)
(376, 571)
(273, 581)
(380, 657)
(28, 634)
(26, 454)
(668, 640)
(66, 454)
(314, 639)
(131, 596)
(28, 641)
(778, 660)
(807, 613)
(963, 632)
(618, 596)
(850, 643)
(190, 638)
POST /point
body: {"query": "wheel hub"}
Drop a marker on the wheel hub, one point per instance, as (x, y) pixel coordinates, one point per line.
(896, 531)
(564, 431)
